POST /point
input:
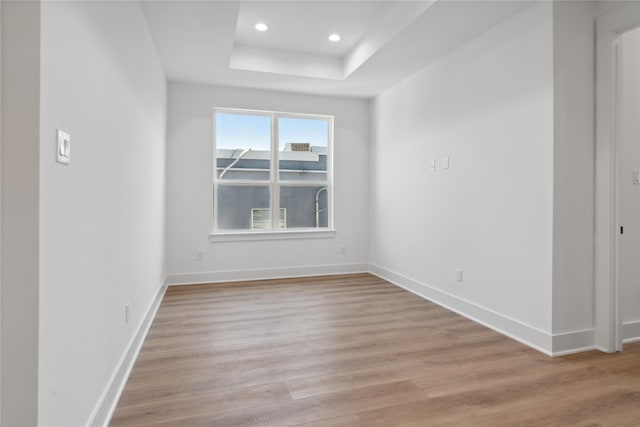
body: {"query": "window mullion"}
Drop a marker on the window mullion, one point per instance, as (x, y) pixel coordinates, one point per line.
(275, 174)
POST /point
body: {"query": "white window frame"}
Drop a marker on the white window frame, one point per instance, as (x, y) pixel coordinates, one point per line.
(274, 183)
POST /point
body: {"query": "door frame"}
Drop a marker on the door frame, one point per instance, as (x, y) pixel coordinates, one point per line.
(608, 321)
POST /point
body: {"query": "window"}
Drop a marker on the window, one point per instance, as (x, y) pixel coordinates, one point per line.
(272, 172)
(260, 219)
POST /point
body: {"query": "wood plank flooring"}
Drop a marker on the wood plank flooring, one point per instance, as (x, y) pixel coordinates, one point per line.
(354, 350)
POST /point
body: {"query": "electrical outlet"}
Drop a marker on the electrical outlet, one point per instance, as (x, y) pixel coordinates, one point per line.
(126, 313)
(198, 256)
(459, 275)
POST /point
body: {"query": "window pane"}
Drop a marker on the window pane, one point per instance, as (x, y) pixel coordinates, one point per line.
(306, 207)
(261, 219)
(236, 205)
(303, 146)
(243, 146)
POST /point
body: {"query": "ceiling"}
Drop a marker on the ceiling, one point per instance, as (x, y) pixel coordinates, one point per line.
(383, 42)
(305, 26)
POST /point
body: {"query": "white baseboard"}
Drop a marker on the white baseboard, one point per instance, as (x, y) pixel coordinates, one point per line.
(103, 411)
(631, 331)
(573, 342)
(550, 344)
(265, 273)
(512, 328)
(603, 349)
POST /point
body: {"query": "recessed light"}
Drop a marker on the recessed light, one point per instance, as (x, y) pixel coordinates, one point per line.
(261, 26)
(334, 37)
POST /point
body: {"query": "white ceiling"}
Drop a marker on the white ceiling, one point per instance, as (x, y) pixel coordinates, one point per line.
(383, 42)
(305, 26)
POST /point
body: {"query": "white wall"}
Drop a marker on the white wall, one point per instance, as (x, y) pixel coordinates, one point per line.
(602, 7)
(0, 216)
(628, 128)
(102, 221)
(488, 107)
(190, 204)
(20, 154)
(574, 173)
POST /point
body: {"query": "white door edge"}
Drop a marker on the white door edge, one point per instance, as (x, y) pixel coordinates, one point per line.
(608, 324)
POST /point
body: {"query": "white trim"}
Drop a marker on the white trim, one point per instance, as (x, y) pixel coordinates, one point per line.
(573, 342)
(602, 349)
(608, 334)
(265, 273)
(550, 344)
(526, 334)
(575, 350)
(106, 405)
(631, 331)
(289, 234)
(252, 112)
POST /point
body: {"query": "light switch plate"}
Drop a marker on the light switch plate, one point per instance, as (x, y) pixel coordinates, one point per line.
(636, 176)
(432, 164)
(445, 163)
(63, 148)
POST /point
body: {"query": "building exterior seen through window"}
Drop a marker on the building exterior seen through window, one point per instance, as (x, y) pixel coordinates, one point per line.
(272, 171)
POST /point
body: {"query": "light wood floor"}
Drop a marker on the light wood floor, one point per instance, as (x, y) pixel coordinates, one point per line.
(357, 351)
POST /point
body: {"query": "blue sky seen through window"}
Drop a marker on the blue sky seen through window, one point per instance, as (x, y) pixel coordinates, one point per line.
(253, 131)
(243, 131)
(315, 132)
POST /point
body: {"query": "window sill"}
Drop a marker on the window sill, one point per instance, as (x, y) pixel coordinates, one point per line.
(271, 235)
